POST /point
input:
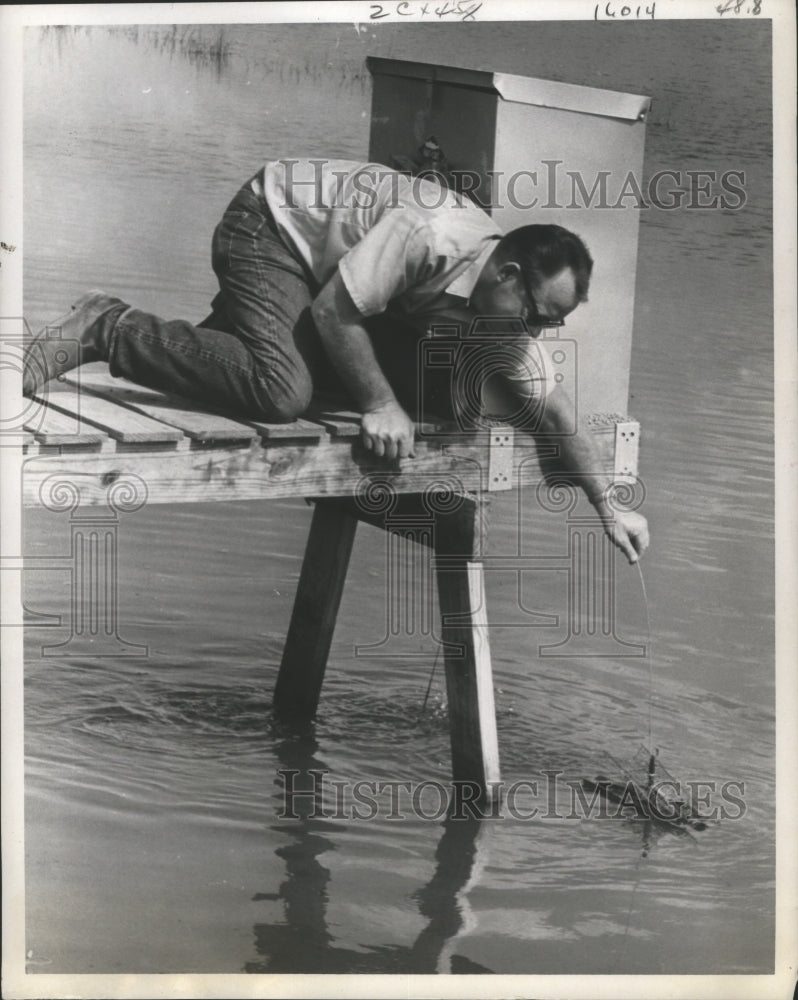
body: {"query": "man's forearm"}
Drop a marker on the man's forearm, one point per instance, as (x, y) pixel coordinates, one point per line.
(349, 347)
(352, 355)
(578, 460)
(575, 455)
(385, 428)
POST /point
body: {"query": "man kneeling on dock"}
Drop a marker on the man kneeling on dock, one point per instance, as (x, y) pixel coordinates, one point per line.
(330, 272)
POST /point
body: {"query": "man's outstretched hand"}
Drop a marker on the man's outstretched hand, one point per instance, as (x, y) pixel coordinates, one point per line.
(388, 431)
(627, 529)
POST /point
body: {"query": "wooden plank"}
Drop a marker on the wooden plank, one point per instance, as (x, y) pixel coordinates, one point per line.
(186, 415)
(343, 420)
(340, 428)
(119, 423)
(318, 597)
(411, 509)
(340, 423)
(52, 427)
(439, 428)
(346, 423)
(294, 430)
(327, 468)
(469, 679)
(344, 416)
(191, 417)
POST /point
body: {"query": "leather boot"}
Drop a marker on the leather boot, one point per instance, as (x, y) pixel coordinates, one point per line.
(81, 336)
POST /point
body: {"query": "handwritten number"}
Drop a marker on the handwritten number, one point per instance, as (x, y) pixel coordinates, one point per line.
(404, 8)
(608, 10)
(736, 7)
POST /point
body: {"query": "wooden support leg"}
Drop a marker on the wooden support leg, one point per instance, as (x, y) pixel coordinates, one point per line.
(318, 596)
(469, 679)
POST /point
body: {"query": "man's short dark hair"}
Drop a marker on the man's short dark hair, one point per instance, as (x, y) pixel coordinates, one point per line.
(543, 251)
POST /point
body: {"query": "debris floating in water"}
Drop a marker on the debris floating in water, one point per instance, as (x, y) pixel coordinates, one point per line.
(643, 790)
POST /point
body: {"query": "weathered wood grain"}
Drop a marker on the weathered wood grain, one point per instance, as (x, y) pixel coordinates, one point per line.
(264, 470)
(118, 423)
(172, 412)
(464, 631)
(340, 423)
(195, 421)
(326, 468)
(52, 427)
(187, 455)
(293, 430)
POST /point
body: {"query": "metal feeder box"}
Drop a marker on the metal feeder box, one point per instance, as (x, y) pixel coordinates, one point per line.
(542, 152)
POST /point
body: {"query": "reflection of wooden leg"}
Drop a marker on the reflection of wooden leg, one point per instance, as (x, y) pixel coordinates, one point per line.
(469, 680)
(321, 583)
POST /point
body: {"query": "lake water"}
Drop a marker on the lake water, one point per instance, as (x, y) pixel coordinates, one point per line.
(153, 839)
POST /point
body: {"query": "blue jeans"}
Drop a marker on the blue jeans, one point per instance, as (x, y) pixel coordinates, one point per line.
(258, 354)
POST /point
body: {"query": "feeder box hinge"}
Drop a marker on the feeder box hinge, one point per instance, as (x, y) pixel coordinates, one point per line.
(627, 446)
(500, 459)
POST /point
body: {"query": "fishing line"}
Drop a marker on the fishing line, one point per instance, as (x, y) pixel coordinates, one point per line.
(650, 775)
(636, 882)
(431, 675)
(649, 656)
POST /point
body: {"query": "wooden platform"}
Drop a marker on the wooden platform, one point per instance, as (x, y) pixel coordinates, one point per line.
(95, 429)
(93, 441)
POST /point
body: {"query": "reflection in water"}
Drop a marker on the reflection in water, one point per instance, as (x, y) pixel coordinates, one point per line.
(304, 890)
(460, 859)
(303, 943)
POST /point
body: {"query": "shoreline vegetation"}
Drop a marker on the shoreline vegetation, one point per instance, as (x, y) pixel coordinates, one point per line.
(212, 48)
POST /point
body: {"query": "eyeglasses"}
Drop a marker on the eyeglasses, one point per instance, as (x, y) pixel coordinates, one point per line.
(536, 318)
(539, 320)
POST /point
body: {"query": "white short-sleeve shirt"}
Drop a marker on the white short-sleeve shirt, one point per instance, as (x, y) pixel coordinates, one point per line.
(394, 239)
